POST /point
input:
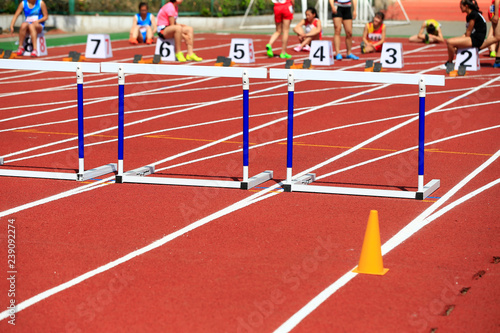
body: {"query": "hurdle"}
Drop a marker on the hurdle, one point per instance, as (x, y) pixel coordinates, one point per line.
(302, 183)
(139, 175)
(60, 66)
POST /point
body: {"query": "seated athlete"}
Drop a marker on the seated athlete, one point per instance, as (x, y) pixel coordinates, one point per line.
(311, 31)
(432, 33)
(169, 28)
(374, 34)
(144, 26)
(493, 40)
(475, 33)
(35, 13)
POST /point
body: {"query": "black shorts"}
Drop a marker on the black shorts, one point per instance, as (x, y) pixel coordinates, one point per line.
(344, 13)
(477, 40)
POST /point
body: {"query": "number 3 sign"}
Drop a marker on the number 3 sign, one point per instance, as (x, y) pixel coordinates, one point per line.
(392, 55)
(98, 46)
(242, 50)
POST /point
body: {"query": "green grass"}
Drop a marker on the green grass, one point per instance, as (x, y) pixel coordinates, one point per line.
(62, 40)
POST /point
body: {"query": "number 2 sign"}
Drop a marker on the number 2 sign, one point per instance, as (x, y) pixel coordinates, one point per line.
(392, 55)
(98, 46)
(242, 50)
(468, 58)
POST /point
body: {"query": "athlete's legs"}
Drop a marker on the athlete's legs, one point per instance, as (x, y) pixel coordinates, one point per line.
(456, 43)
(337, 25)
(284, 36)
(348, 35)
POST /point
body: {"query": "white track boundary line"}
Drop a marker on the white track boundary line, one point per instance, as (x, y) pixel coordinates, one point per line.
(418, 223)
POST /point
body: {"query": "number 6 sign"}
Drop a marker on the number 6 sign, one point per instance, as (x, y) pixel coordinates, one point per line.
(242, 50)
(166, 49)
(98, 46)
(392, 55)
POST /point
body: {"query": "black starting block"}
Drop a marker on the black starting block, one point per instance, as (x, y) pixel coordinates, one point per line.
(137, 58)
(449, 67)
(377, 67)
(223, 61)
(156, 59)
(306, 64)
(7, 54)
(461, 70)
(289, 63)
(369, 64)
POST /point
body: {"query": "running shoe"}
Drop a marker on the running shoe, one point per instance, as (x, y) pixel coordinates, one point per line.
(306, 48)
(269, 50)
(493, 54)
(34, 54)
(149, 41)
(338, 57)
(352, 56)
(496, 64)
(362, 45)
(193, 57)
(180, 57)
(20, 51)
(285, 56)
(297, 48)
(133, 41)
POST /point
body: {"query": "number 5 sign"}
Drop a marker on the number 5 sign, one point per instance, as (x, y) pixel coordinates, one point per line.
(242, 50)
(392, 55)
(98, 46)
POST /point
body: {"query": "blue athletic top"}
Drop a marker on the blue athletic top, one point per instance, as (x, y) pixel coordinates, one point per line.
(141, 22)
(33, 14)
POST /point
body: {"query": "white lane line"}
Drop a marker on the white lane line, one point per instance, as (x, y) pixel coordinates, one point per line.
(418, 223)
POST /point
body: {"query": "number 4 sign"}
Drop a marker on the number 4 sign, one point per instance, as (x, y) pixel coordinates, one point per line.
(242, 50)
(166, 49)
(321, 53)
(98, 46)
(392, 55)
(468, 58)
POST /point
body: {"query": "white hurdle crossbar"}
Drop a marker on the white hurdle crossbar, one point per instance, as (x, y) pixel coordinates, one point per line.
(60, 66)
(139, 175)
(301, 184)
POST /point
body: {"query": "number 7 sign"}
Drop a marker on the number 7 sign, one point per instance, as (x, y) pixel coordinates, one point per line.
(98, 46)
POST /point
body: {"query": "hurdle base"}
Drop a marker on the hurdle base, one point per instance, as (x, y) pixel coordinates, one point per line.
(429, 188)
(96, 172)
(302, 180)
(179, 181)
(1, 160)
(257, 180)
(37, 174)
(139, 172)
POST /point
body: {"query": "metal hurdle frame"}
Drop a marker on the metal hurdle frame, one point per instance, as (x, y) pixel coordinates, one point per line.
(301, 184)
(60, 66)
(138, 175)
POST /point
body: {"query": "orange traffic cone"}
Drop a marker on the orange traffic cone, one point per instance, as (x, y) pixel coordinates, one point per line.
(370, 261)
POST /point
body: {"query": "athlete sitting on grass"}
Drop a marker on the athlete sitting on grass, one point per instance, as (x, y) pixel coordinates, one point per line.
(311, 31)
(475, 33)
(374, 34)
(430, 32)
(35, 13)
(168, 28)
(144, 26)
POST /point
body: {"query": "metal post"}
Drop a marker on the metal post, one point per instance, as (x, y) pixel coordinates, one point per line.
(246, 116)
(81, 144)
(289, 144)
(421, 133)
(121, 118)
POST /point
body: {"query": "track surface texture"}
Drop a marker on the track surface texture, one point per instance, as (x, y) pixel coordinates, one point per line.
(104, 257)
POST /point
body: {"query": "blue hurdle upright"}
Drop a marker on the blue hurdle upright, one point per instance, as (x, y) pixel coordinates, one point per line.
(302, 183)
(142, 174)
(60, 66)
